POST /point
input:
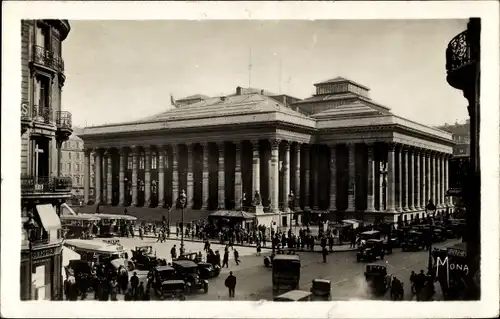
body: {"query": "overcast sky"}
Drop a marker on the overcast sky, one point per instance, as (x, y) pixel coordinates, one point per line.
(125, 70)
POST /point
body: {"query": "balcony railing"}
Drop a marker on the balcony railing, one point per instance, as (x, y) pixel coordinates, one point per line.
(38, 184)
(459, 52)
(40, 236)
(47, 58)
(64, 120)
(43, 115)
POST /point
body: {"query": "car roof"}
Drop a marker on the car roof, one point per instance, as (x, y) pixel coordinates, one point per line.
(185, 263)
(287, 257)
(370, 232)
(326, 281)
(163, 268)
(173, 282)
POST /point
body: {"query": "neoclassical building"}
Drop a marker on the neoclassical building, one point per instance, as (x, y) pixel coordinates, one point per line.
(338, 152)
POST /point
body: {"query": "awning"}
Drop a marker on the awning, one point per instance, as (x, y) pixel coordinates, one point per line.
(67, 211)
(69, 254)
(48, 216)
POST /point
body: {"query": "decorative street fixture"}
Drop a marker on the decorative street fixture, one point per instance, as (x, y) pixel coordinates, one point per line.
(182, 202)
(30, 227)
(291, 206)
(430, 207)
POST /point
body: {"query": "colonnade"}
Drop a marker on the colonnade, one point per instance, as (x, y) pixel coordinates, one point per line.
(348, 177)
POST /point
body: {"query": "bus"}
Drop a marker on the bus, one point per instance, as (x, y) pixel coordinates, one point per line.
(81, 226)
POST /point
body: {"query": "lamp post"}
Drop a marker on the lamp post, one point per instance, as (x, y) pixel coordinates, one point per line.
(30, 226)
(291, 206)
(430, 207)
(182, 201)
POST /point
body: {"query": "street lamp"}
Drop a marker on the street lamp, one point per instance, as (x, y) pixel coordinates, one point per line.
(430, 207)
(291, 206)
(30, 227)
(182, 202)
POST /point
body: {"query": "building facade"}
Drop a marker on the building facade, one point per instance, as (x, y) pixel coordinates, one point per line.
(461, 136)
(44, 127)
(338, 152)
(72, 163)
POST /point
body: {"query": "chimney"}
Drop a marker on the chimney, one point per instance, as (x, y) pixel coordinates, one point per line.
(262, 92)
(238, 90)
(284, 100)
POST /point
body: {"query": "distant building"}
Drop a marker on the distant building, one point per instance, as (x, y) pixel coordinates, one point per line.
(72, 166)
(461, 136)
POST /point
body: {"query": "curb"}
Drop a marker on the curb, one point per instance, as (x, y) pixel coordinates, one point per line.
(247, 246)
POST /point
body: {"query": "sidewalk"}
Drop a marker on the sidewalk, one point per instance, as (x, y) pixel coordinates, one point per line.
(317, 247)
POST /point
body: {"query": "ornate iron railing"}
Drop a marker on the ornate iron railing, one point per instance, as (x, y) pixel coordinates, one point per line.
(63, 119)
(47, 58)
(459, 52)
(43, 115)
(38, 184)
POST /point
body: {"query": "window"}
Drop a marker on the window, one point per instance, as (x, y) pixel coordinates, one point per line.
(153, 161)
(78, 180)
(77, 168)
(69, 167)
(141, 161)
(69, 154)
(129, 162)
(42, 86)
(43, 36)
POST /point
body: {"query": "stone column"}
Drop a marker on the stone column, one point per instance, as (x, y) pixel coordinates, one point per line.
(86, 177)
(147, 176)
(411, 180)
(315, 171)
(400, 163)
(275, 175)
(406, 160)
(98, 176)
(307, 176)
(351, 197)
(221, 187)
(428, 177)
(109, 178)
(333, 177)
(446, 179)
(135, 154)
(121, 177)
(296, 189)
(205, 192)
(418, 202)
(238, 185)
(255, 168)
(423, 178)
(175, 174)
(371, 179)
(433, 178)
(391, 168)
(190, 179)
(286, 174)
(439, 181)
(161, 176)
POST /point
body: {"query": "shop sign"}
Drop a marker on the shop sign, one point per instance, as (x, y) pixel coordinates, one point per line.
(43, 253)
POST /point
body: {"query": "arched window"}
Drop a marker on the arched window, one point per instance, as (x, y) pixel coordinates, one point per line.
(141, 161)
(153, 161)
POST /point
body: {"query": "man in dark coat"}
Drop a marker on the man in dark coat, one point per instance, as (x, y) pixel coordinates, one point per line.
(230, 283)
(324, 251)
(134, 283)
(225, 260)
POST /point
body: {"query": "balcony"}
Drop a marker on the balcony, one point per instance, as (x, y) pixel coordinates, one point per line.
(43, 115)
(37, 185)
(40, 237)
(64, 127)
(461, 58)
(47, 59)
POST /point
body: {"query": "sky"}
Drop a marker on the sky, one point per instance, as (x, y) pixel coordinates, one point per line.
(120, 71)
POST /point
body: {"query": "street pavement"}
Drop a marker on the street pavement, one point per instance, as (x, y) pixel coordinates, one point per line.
(254, 281)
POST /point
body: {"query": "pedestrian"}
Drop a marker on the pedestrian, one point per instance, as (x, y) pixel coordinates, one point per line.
(173, 253)
(325, 253)
(413, 278)
(225, 260)
(139, 294)
(258, 249)
(236, 257)
(134, 283)
(141, 233)
(114, 289)
(230, 283)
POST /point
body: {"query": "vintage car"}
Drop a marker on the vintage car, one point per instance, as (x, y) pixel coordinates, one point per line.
(377, 278)
(268, 260)
(172, 290)
(321, 288)
(190, 256)
(414, 240)
(187, 270)
(160, 275)
(286, 271)
(438, 235)
(294, 295)
(372, 249)
(80, 267)
(207, 270)
(371, 234)
(144, 258)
